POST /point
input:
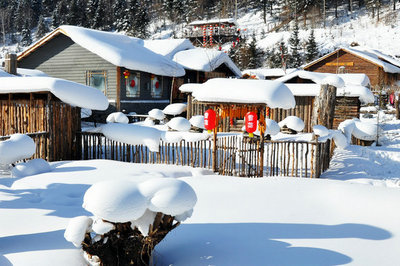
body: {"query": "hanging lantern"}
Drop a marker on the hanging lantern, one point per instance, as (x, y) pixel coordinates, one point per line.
(233, 44)
(251, 123)
(157, 85)
(237, 39)
(209, 120)
(133, 83)
(126, 74)
(222, 26)
(220, 48)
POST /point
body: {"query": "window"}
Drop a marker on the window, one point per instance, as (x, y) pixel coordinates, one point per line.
(97, 79)
(156, 86)
(132, 84)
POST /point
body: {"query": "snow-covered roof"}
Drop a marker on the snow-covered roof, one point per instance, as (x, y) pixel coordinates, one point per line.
(118, 49)
(25, 72)
(355, 85)
(388, 63)
(207, 60)
(69, 92)
(168, 47)
(262, 73)
(273, 93)
(214, 21)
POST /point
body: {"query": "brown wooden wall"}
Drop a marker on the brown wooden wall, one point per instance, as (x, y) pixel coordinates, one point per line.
(346, 108)
(354, 64)
(42, 112)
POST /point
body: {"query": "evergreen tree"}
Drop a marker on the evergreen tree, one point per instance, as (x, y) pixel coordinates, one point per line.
(120, 9)
(91, 9)
(74, 14)
(311, 48)
(36, 7)
(42, 28)
(279, 56)
(26, 39)
(255, 54)
(99, 18)
(295, 59)
(60, 14)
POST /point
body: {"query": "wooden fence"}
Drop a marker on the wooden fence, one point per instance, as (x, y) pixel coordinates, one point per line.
(235, 155)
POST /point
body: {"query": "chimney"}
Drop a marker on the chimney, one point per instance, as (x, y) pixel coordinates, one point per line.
(10, 65)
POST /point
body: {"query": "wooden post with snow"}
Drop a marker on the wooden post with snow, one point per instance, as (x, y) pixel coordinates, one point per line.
(324, 107)
(10, 64)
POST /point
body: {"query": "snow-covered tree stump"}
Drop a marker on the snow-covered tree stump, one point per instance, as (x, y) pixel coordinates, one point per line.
(130, 219)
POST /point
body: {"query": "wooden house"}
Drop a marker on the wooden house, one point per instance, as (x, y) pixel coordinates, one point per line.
(207, 33)
(132, 77)
(233, 98)
(305, 86)
(48, 110)
(382, 70)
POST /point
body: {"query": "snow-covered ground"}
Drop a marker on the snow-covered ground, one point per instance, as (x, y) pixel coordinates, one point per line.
(350, 216)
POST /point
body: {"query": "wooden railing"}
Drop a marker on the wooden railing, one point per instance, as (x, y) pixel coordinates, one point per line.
(235, 155)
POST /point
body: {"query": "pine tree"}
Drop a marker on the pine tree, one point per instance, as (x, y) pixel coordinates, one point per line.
(311, 48)
(91, 9)
(42, 28)
(60, 14)
(26, 34)
(99, 18)
(120, 21)
(295, 59)
(36, 7)
(279, 56)
(255, 54)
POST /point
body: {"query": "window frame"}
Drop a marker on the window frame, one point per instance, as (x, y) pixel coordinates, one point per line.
(127, 82)
(90, 73)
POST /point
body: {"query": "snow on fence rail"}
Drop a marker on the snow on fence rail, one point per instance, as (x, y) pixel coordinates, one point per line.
(41, 141)
(235, 155)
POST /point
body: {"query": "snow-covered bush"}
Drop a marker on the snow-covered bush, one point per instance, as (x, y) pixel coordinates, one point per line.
(175, 109)
(129, 218)
(156, 114)
(16, 148)
(179, 124)
(197, 121)
(117, 117)
(361, 130)
(292, 122)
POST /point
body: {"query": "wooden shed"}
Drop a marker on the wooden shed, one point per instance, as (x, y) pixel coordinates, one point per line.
(382, 70)
(48, 110)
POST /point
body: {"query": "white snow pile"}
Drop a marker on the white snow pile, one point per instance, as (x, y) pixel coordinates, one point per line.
(77, 228)
(179, 124)
(320, 131)
(333, 80)
(16, 148)
(133, 134)
(117, 117)
(271, 127)
(121, 201)
(292, 122)
(32, 167)
(168, 47)
(156, 114)
(197, 121)
(175, 109)
(362, 130)
(69, 92)
(124, 51)
(207, 60)
(189, 87)
(85, 113)
(176, 136)
(273, 93)
(340, 139)
(371, 109)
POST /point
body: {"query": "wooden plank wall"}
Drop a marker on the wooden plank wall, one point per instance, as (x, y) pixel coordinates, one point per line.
(42, 113)
(346, 108)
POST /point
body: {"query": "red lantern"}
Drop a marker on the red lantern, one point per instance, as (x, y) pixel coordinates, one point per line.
(133, 83)
(209, 120)
(251, 123)
(126, 74)
(157, 85)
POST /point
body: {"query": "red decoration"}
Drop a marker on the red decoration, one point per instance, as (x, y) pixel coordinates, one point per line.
(251, 123)
(126, 74)
(209, 120)
(133, 83)
(157, 85)
(220, 48)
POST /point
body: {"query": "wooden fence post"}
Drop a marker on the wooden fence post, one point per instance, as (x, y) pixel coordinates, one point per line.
(214, 161)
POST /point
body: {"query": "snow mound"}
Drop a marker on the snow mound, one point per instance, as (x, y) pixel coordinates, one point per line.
(168, 195)
(32, 167)
(17, 147)
(85, 113)
(175, 109)
(333, 80)
(77, 228)
(133, 134)
(156, 114)
(340, 139)
(292, 122)
(360, 130)
(101, 227)
(117, 117)
(197, 121)
(115, 201)
(179, 124)
(272, 127)
(320, 130)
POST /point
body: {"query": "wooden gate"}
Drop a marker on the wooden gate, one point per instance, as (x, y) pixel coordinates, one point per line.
(240, 156)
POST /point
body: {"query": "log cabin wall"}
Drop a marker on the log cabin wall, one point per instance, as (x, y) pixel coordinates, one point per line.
(346, 108)
(42, 112)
